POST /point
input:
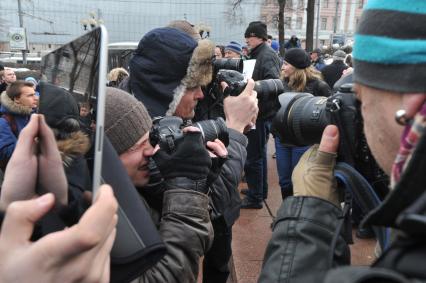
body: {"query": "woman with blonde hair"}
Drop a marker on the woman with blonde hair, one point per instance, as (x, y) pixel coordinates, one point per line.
(298, 75)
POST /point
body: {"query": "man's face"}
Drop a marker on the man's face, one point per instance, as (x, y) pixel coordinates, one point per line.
(187, 104)
(314, 56)
(232, 54)
(27, 97)
(84, 111)
(383, 134)
(252, 42)
(136, 160)
(9, 76)
(217, 53)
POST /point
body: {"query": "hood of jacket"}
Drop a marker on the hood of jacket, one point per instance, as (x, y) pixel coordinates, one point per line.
(10, 106)
(166, 63)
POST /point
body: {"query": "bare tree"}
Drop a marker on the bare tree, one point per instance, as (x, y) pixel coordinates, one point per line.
(281, 38)
(310, 15)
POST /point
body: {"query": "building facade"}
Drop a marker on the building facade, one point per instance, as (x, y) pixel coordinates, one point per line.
(335, 17)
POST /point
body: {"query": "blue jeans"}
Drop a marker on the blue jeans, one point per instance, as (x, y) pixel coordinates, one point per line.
(287, 158)
(256, 168)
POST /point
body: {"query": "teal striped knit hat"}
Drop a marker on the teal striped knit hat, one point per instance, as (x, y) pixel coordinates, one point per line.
(390, 46)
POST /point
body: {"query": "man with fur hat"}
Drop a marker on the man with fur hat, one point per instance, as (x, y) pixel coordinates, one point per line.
(166, 74)
(18, 102)
(267, 67)
(389, 84)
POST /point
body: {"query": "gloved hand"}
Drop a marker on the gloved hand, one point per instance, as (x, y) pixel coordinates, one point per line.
(188, 166)
(314, 174)
(219, 155)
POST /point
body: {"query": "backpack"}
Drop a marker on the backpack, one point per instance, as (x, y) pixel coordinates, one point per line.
(10, 119)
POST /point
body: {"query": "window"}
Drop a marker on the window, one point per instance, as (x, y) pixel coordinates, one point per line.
(323, 24)
(300, 4)
(322, 42)
(287, 22)
(299, 23)
(325, 3)
(360, 4)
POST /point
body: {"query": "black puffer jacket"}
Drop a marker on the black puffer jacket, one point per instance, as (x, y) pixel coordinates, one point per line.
(225, 198)
(333, 72)
(267, 67)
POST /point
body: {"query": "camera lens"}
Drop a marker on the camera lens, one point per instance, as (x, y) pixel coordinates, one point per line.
(301, 119)
(269, 87)
(214, 129)
(228, 64)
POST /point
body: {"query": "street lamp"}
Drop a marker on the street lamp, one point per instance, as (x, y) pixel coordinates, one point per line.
(93, 21)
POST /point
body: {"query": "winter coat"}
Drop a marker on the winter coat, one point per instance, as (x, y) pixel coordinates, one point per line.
(333, 72)
(267, 67)
(315, 87)
(304, 228)
(21, 116)
(319, 64)
(225, 198)
(185, 228)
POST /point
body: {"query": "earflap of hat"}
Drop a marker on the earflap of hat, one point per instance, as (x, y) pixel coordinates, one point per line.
(200, 70)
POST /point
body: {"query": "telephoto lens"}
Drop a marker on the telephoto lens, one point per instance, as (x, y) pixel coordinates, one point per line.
(228, 64)
(213, 129)
(301, 118)
(268, 87)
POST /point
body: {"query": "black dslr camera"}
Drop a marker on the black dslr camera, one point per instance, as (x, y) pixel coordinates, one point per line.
(167, 131)
(303, 118)
(236, 84)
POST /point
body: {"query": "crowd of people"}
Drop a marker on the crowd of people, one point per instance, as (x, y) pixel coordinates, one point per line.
(195, 201)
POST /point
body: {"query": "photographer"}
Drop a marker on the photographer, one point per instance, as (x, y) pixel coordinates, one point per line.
(178, 206)
(172, 86)
(392, 92)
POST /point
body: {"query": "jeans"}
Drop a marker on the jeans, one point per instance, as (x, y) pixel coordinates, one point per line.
(287, 158)
(256, 168)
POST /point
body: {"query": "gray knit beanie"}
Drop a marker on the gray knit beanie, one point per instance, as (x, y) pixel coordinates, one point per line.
(126, 119)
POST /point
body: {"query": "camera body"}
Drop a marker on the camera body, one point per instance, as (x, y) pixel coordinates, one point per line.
(167, 132)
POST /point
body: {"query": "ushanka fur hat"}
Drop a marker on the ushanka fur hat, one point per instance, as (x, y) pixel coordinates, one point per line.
(166, 64)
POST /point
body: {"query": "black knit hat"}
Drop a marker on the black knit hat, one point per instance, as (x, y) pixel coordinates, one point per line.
(298, 58)
(57, 105)
(257, 29)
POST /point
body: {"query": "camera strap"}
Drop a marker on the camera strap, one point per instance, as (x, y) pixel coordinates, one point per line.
(363, 194)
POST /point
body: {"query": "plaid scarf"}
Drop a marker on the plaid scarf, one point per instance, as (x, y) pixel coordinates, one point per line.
(409, 140)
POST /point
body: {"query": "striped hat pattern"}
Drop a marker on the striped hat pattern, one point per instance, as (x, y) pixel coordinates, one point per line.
(390, 46)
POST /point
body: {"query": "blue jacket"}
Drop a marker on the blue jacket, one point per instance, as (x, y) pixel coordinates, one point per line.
(21, 115)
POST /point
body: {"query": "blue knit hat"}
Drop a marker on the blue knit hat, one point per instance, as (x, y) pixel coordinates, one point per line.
(275, 45)
(234, 46)
(390, 46)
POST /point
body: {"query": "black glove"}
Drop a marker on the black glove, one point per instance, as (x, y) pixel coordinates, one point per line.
(188, 166)
(217, 163)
